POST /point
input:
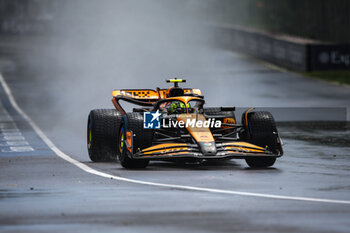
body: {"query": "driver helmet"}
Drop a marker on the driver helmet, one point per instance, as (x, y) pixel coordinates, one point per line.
(177, 104)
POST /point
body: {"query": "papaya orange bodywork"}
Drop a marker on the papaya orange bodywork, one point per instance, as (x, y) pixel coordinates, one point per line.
(129, 141)
(169, 148)
(199, 134)
(150, 94)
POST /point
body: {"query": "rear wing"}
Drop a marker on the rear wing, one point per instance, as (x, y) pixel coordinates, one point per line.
(150, 95)
(145, 97)
(141, 94)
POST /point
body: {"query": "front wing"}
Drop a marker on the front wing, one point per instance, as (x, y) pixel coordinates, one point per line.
(239, 150)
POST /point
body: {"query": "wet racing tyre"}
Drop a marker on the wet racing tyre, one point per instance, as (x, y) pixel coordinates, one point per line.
(142, 138)
(102, 134)
(262, 131)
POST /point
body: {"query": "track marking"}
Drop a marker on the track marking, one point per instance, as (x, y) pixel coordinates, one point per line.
(90, 170)
(11, 138)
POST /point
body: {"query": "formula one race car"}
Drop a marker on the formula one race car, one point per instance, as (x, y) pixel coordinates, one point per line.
(173, 125)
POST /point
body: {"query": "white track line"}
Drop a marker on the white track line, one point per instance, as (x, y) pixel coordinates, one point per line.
(90, 170)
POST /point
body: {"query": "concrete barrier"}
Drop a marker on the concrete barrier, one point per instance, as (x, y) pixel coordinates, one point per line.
(289, 52)
(330, 57)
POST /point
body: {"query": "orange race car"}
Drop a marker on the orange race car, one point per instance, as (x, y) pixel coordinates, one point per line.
(172, 124)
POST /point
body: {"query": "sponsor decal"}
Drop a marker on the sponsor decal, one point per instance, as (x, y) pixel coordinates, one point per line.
(334, 57)
(340, 58)
(174, 150)
(228, 121)
(323, 57)
(208, 144)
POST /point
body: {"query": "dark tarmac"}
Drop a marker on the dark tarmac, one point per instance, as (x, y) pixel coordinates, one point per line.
(40, 192)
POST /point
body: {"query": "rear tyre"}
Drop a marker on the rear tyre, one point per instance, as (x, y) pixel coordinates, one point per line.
(262, 131)
(102, 132)
(142, 138)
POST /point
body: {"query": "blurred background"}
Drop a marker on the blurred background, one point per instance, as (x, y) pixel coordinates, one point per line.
(324, 20)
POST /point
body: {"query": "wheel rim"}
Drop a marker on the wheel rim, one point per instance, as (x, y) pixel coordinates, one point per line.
(121, 140)
(89, 134)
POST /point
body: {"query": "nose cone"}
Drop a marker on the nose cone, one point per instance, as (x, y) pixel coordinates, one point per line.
(207, 148)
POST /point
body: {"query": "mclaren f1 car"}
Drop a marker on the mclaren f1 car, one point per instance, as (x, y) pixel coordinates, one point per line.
(173, 125)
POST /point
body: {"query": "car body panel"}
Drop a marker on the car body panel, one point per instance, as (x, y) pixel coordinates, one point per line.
(200, 142)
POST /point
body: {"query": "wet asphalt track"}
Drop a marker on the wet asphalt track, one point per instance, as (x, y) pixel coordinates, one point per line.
(40, 192)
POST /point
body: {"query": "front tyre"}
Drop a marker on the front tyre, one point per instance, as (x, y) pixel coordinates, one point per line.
(262, 131)
(102, 133)
(142, 138)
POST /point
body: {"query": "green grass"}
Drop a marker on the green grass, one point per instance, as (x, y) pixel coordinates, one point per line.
(342, 77)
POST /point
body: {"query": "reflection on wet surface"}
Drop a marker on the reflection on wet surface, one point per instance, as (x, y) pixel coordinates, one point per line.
(23, 193)
(322, 133)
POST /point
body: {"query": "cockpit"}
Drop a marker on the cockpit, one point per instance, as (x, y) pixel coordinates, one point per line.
(176, 106)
